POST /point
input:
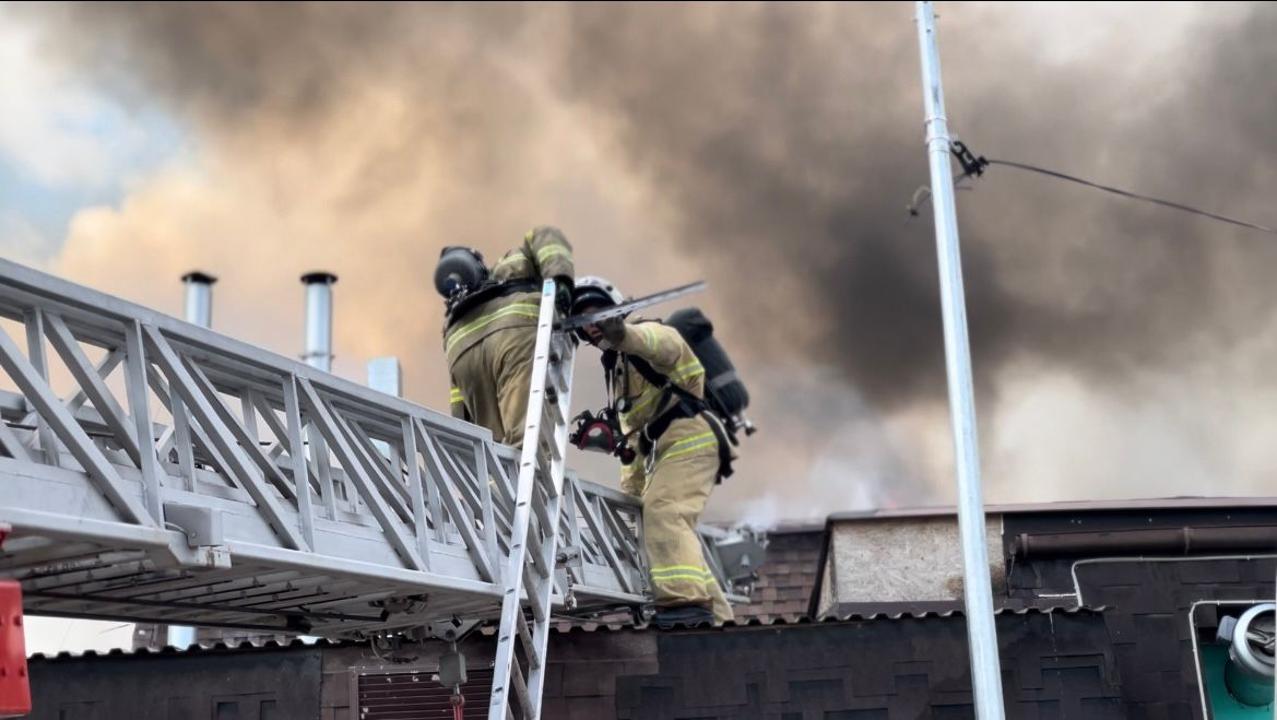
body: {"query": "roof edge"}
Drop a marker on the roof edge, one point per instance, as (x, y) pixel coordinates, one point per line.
(1133, 504)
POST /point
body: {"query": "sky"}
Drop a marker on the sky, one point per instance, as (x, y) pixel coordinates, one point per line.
(1120, 350)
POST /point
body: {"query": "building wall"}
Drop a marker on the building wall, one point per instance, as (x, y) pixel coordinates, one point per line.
(1146, 566)
(903, 560)
(580, 680)
(257, 685)
(1147, 596)
(1132, 659)
(1147, 605)
(1057, 665)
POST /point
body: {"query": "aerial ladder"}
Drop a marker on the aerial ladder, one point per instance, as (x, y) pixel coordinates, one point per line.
(153, 470)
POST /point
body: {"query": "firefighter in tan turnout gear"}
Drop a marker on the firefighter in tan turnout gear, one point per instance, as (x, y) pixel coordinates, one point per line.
(656, 382)
(490, 331)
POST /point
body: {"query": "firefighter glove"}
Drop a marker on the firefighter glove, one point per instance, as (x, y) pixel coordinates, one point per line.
(563, 295)
(613, 330)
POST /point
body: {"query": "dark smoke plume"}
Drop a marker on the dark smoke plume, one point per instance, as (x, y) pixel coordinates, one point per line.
(774, 148)
(790, 138)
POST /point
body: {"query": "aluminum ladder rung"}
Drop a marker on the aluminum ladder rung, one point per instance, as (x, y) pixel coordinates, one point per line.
(534, 541)
(534, 659)
(553, 410)
(541, 511)
(521, 689)
(560, 350)
(548, 446)
(545, 478)
(531, 587)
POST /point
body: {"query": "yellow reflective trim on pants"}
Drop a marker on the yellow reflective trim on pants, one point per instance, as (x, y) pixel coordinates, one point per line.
(523, 309)
(693, 578)
(680, 568)
(550, 251)
(691, 444)
(456, 395)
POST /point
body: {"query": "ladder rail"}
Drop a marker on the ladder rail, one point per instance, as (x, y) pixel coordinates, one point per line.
(546, 586)
(520, 582)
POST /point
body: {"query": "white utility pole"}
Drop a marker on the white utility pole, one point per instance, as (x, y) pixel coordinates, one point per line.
(982, 637)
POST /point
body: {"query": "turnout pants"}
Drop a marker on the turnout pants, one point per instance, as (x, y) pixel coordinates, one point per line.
(678, 484)
(493, 378)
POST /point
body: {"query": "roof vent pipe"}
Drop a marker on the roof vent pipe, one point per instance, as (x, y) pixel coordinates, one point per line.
(319, 320)
(199, 298)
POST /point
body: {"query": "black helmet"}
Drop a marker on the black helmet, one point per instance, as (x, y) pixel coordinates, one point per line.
(460, 269)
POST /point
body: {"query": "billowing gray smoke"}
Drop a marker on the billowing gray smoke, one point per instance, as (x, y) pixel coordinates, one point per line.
(774, 148)
(791, 140)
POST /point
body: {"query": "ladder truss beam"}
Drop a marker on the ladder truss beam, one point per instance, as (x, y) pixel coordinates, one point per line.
(210, 482)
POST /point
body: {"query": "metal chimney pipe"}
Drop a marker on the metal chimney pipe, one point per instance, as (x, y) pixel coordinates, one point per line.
(319, 320)
(199, 298)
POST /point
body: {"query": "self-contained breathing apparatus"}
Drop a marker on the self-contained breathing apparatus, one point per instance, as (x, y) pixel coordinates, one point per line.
(460, 270)
(685, 405)
(602, 432)
(725, 392)
(464, 281)
(725, 395)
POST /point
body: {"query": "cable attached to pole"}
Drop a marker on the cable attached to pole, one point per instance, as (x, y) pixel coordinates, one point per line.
(973, 166)
(1135, 196)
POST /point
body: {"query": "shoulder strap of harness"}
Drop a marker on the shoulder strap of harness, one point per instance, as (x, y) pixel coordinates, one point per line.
(486, 292)
(688, 406)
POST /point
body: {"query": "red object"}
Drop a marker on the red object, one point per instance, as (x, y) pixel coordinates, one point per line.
(458, 706)
(15, 690)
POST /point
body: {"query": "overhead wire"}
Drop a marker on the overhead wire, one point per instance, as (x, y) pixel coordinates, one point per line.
(973, 166)
(1134, 195)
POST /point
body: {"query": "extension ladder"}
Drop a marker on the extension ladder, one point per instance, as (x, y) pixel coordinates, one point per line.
(529, 572)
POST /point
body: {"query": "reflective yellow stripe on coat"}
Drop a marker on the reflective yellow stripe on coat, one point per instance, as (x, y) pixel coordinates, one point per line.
(519, 309)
